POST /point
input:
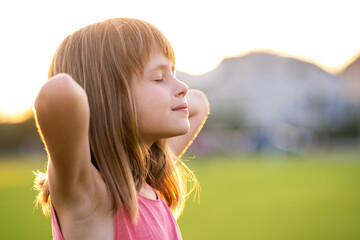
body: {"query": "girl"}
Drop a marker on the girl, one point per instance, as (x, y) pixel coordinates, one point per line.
(115, 121)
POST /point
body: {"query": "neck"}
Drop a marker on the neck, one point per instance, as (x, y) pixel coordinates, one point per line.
(147, 143)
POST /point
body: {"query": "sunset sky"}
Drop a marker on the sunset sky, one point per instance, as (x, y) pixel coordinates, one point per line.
(202, 32)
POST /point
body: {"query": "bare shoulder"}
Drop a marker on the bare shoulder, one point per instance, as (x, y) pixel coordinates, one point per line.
(90, 217)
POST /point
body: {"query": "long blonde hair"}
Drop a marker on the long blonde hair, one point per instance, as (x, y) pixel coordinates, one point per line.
(102, 58)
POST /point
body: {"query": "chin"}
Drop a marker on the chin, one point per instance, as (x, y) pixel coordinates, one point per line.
(177, 132)
(183, 131)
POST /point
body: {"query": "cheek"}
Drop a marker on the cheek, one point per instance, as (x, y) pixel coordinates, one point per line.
(153, 104)
(150, 110)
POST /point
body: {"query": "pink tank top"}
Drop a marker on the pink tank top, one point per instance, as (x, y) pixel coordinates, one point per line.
(155, 222)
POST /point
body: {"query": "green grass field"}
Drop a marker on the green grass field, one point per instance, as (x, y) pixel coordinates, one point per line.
(247, 198)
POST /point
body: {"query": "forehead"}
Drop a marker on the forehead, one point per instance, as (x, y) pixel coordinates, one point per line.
(157, 61)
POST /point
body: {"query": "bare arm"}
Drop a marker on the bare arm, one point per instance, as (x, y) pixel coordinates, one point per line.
(199, 109)
(62, 114)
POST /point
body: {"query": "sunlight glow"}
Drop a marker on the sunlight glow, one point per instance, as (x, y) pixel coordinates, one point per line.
(201, 32)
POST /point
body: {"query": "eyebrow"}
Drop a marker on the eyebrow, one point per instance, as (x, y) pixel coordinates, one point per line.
(162, 67)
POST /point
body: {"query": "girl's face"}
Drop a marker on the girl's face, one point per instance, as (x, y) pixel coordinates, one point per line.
(160, 100)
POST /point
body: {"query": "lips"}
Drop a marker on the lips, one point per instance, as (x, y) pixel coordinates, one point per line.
(183, 106)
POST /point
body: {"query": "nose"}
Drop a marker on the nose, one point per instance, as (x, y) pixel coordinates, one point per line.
(182, 88)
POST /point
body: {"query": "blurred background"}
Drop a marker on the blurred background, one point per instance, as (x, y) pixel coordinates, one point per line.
(279, 157)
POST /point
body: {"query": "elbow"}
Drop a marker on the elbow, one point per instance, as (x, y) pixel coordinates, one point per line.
(203, 101)
(59, 93)
(199, 102)
(206, 104)
(60, 89)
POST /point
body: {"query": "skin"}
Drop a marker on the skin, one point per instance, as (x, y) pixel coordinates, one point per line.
(78, 191)
(158, 96)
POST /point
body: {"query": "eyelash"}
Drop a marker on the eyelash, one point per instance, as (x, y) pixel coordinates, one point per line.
(159, 80)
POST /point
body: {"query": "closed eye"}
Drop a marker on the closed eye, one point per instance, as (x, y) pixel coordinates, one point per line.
(159, 80)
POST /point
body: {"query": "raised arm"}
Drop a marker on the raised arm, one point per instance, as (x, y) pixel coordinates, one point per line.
(62, 114)
(199, 109)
